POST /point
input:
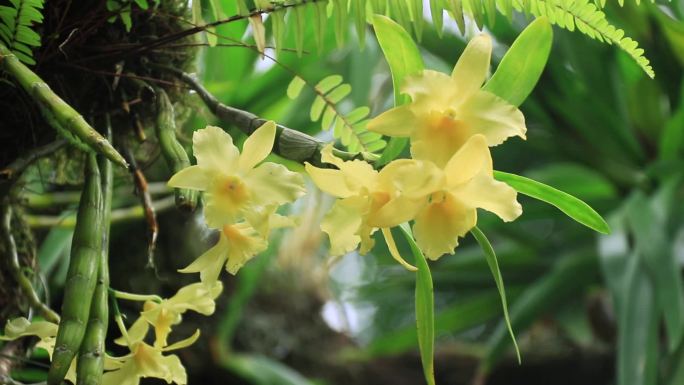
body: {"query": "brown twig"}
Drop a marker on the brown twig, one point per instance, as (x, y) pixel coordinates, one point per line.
(146, 201)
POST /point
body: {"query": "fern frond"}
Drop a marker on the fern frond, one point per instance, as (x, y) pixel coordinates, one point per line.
(350, 128)
(16, 27)
(582, 15)
(592, 22)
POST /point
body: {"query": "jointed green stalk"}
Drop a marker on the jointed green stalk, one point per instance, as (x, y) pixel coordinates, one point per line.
(90, 365)
(173, 151)
(86, 249)
(56, 111)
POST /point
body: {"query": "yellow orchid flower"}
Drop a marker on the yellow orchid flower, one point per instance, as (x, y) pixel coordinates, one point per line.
(371, 200)
(451, 210)
(44, 330)
(147, 361)
(447, 110)
(237, 244)
(234, 184)
(22, 327)
(198, 297)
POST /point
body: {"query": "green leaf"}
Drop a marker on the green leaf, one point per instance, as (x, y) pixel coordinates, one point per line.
(339, 93)
(568, 279)
(328, 83)
(649, 228)
(400, 51)
(295, 87)
(317, 108)
(404, 60)
(637, 345)
(425, 308)
(490, 256)
(568, 204)
(261, 370)
(523, 64)
(359, 7)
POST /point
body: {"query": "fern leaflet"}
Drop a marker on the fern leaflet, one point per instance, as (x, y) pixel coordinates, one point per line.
(350, 128)
(16, 27)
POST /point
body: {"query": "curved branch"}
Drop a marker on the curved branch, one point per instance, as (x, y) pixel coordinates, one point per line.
(290, 144)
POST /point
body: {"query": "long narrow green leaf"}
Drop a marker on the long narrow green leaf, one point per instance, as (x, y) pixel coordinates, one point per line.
(568, 204)
(523, 64)
(637, 346)
(490, 255)
(655, 249)
(404, 60)
(569, 277)
(425, 308)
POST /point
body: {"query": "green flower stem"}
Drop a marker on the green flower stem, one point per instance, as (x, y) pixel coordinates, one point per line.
(16, 270)
(40, 201)
(118, 215)
(135, 297)
(56, 111)
(290, 144)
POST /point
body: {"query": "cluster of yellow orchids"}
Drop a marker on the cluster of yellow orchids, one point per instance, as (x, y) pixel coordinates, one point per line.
(451, 122)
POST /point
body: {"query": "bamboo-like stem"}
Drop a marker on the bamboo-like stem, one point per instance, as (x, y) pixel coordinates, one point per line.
(56, 111)
(290, 144)
(15, 268)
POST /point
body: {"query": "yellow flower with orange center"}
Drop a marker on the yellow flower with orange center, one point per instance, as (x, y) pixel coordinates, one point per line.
(147, 361)
(238, 243)
(446, 111)
(450, 210)
(198, 297)
(235, 185)
(371, 200)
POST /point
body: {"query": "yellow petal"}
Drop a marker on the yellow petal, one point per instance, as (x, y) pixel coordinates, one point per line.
(472, 67)
(214, 150)
(392, 246)
(469, 161)
(342, 223)
(399, 121)
(198, 297)
(438, 226)
(257, 146)
(431, 90)
(438, 137)
(125, 375)
(244, 243)
(183, 343)
(272, 183)
(358, 173)
(412, 178)
(487, 114)
(210, 263)
(397, 211)
(193, 177)
(331, 181)
(136, 332)
(366, 235)
(497, 197)
(21, 327)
